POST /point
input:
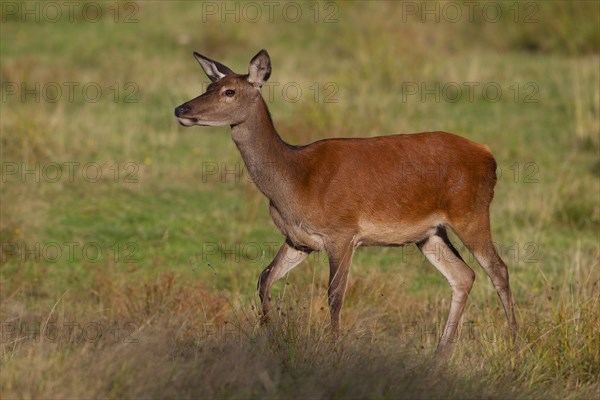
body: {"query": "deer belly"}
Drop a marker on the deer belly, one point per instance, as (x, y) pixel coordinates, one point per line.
(385, 233)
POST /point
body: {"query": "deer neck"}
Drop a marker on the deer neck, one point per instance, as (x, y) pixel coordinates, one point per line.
(266, 155)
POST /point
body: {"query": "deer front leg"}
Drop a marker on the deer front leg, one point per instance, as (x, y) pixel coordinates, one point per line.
(340, 259)
(287, 258)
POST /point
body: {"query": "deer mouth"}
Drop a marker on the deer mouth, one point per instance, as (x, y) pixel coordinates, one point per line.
(187, 121)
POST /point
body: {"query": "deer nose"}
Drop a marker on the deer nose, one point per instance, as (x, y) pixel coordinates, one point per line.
(181, 110)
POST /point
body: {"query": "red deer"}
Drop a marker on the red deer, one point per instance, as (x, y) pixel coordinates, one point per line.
(334, 195)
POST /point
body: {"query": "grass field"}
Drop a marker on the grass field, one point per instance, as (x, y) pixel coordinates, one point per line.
(131, 246)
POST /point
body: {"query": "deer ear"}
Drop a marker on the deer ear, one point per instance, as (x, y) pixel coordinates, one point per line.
(259, 70)
(213, 69)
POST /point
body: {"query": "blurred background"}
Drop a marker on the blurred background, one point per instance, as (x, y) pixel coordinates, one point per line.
(114, 216)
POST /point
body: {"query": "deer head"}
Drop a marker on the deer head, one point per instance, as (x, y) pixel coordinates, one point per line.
(230, 97)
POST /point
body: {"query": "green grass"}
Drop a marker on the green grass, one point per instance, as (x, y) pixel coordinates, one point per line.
(173, 290)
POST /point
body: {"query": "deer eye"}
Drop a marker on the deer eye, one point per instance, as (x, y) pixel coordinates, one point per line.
(229, 93)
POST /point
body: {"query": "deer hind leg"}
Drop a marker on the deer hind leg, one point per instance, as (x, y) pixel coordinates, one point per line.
(286, 259)
(340, 259)
(476, 235)
(445, 258)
